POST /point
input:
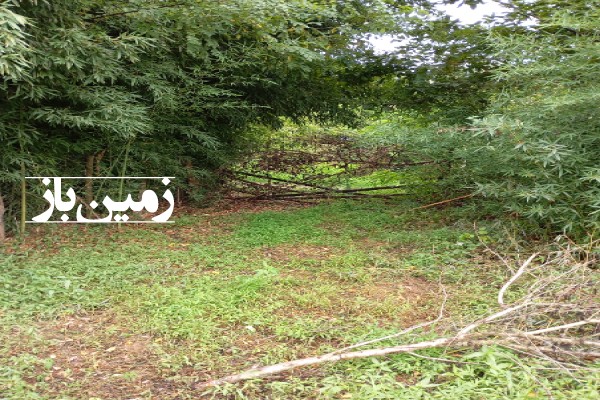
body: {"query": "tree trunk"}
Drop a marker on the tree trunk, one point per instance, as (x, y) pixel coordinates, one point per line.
(98, 159)
(143, 187)
(192, 180)
(2, 230)
(23, 200)
(89, 184)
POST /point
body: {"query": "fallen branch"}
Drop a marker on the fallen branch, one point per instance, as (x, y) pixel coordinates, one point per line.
(342, 196)
(286, 366)
(333, 190)
(309, 196)
(516, 276)
(439, 203)
(563, 327)
(282, 180)
(511, 327)
(447, 342)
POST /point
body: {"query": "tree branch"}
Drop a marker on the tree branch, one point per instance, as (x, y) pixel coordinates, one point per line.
(516, 276)
(507, 327)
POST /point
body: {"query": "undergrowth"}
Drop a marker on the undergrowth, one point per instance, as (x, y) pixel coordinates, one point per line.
(258, 288)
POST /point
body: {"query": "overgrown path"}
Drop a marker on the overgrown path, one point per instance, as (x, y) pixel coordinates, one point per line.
(144, 312)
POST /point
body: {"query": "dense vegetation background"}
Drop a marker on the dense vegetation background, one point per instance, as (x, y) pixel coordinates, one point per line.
(508, 110)
(153, 88)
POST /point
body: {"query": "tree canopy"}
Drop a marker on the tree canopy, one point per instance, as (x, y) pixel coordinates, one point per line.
(148, 87)
(171, 85)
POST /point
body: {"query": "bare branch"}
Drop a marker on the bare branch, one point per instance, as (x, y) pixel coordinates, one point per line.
(512, 280)
(439, 203)
(513, 327)
(402, 333)
(563, 327)
(286, 366)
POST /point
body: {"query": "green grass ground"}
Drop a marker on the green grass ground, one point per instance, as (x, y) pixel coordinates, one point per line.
(144, 312)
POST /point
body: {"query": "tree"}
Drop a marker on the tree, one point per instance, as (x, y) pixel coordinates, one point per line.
(169, 86)
(531, 144)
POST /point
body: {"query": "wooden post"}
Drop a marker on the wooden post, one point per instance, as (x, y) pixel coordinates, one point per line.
(2, 229)
(89, 184)
(23, 200)
(123, 172)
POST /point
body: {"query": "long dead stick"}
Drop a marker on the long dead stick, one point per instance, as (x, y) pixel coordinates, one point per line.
(459, 340)
(336, 196)
(512, 280)
(282, 180)
(512, 338)
(370, 189)
(286, 366)
(439, 203)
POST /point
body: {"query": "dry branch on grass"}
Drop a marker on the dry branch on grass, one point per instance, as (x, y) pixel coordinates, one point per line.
(439, 203)
(288, 189)
(557, 318)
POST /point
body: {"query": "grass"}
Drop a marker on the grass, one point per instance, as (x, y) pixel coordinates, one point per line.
(143, 312)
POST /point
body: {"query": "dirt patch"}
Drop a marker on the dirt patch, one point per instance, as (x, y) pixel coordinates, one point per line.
(182, 237)
(404, 288)
(407, 301)
(390, 250)
(227, 207)
(403, 301)
(407, 288)
(94, 356)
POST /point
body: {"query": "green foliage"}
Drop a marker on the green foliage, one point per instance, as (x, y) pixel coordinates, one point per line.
(177, 85)
(445, 72)
(73, 279)
(13, 61)
(272, 229)
(197, 309)
(490, 372)
(534, 152)
(544, 144)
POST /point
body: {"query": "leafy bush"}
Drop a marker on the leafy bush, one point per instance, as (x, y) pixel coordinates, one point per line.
(543, 144)
(535, 151)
